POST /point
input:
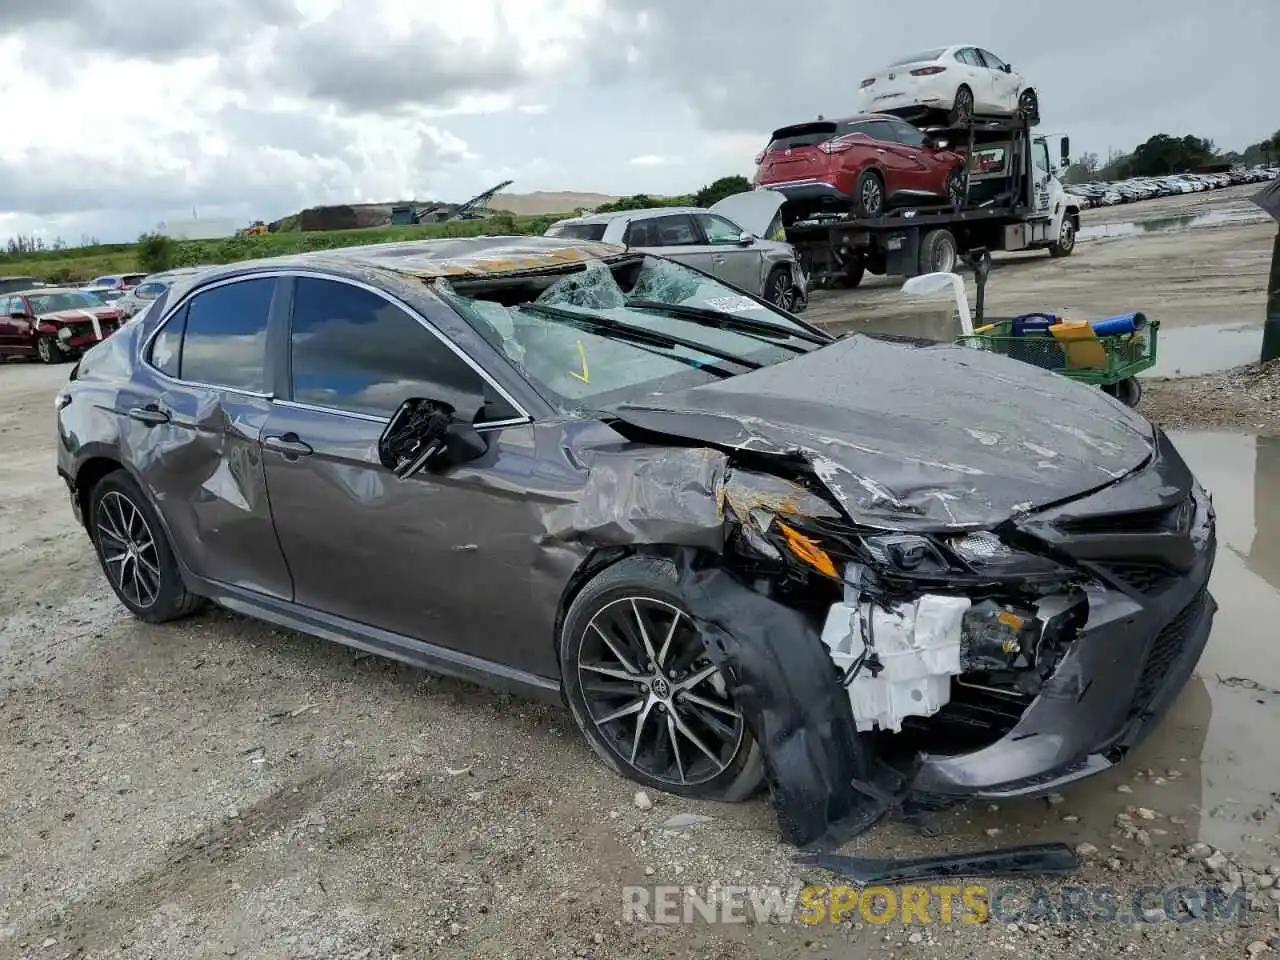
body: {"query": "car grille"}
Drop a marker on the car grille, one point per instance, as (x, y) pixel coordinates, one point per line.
(1168, 646)
(1176, 517)
(83, 328)
(1143, 577)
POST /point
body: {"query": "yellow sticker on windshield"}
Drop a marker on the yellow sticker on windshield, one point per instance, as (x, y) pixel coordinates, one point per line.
(585, 375)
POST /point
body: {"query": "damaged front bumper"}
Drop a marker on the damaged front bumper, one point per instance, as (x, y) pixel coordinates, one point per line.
(1123, 668)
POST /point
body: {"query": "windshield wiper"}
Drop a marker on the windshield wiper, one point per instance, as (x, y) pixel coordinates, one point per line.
(625, 331)
(760, 329)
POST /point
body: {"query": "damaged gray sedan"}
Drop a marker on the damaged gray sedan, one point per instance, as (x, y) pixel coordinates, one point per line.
(866, 572)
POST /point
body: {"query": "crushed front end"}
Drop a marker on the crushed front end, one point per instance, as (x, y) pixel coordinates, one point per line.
(1006, 661)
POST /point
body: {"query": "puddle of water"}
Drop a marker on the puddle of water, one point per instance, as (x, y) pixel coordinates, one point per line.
(1210, 765)
(1186, 221)
(1207, 348)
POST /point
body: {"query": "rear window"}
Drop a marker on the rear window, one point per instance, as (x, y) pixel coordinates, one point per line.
(577, 231)
(133, 279)
(802, 135)
(920, 57)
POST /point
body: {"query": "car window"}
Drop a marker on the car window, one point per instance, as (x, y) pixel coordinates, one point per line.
(577, 231)
(355, 351)
(992, 61)
(881, 130)
(718, 229)
(11, 305)
(970, 56)
(166, 348)
(673, 230)
(66, 300)
(225, 341)
(906, 134)
(148, 291)
(801, 135)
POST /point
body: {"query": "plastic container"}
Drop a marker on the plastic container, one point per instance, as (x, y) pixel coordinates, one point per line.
(1035, 323)
(1119, 325)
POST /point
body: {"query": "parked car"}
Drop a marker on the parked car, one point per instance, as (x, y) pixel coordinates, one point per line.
(959, 81)
(581, 472)
(53, 324)
(121, 281)
(862, 165)
(9, 284)
(730, 240)
(105, 294)
(150, 288)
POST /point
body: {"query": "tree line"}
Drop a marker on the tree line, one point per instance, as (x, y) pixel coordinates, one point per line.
(1164, 154)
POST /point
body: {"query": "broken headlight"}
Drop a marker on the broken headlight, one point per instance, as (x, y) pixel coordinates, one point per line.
(980, 554)
(771, 513)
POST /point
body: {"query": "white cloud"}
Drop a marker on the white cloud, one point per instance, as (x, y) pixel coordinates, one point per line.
(256, 108)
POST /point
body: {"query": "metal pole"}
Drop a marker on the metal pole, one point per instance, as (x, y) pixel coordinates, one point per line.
(1271, 327)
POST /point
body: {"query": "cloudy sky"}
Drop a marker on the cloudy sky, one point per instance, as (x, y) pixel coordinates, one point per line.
(121, 113)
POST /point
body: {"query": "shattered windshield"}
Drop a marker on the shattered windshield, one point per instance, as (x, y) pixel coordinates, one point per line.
(631, 309)
(71, 300)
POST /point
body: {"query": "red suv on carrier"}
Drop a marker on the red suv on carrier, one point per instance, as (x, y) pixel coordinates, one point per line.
(864, 165)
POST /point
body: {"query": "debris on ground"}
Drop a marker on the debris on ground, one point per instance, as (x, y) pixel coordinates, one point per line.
(1243, 398)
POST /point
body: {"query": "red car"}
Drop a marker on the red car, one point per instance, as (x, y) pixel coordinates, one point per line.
(863, 165)
(54, 324)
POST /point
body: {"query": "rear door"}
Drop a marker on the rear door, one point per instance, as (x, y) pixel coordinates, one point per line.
(195, 427)
(733, 261)
(676, 236)
(902, 171)
(442, 558)
(927, 173)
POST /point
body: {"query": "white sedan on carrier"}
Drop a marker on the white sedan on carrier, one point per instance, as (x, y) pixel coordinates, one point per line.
(959, 81)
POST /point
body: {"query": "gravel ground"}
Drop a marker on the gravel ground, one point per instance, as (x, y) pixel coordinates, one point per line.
(218, 787)
(1244, 399)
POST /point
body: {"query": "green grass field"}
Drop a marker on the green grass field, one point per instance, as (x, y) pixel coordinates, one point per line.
(84, 263)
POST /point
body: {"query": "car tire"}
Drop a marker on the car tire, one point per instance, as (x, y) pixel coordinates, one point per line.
(869, 198)
(1066, 242)
(600, 632)
(48, 350)
(779, 290)
(955, 187)
(852, 275)
(938, 252)
(1029, 107)
(961, 107)
(147, 579)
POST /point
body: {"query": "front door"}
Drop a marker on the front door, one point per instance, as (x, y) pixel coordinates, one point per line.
(737, 264)
(675, 236)
(444, 557)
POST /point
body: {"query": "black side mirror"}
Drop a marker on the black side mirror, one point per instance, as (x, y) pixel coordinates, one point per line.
(426, 434)
(1064, 149)
(1007, 68)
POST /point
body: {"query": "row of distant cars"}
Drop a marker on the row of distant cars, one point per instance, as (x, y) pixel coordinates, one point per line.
(1108, 194)
(54, 323)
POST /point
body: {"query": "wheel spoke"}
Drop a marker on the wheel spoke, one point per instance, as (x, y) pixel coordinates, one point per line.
(644, 715)
(644, 635)
(675, 746)
(710, 721)
(666, 642)
(693, 738)
(703, 702)
(613, 648)
(610, 672)
(691, 681)
(634, 707)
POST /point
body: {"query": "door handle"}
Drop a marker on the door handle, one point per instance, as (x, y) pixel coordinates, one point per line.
(878, 150)
(151, 415)
(289, 446)
(717, 259)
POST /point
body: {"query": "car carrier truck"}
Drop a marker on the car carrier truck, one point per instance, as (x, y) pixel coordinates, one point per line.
(1010, 200)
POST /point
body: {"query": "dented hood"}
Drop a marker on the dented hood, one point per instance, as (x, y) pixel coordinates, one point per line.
(752, 210)
(916, 438)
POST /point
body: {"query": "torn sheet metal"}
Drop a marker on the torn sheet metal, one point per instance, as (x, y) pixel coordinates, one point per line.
(780, 674)
(647, 495)
(473, 256)
(988, 439)
(1038, 858)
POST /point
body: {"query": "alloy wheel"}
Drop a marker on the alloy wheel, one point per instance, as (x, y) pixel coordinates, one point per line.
(654, 695)
(872, 197)
(781, 293)
(128, 548)
(963, 107)
(955, 188)
(44, 350)
(1067, 235)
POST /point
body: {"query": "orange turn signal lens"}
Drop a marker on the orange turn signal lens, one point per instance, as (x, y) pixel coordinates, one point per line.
(808, 551)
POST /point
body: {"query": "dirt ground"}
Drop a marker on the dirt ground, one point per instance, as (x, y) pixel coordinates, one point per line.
(218, 787)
